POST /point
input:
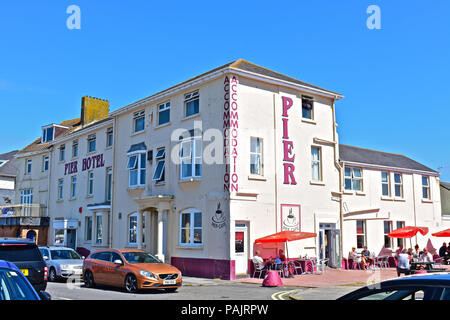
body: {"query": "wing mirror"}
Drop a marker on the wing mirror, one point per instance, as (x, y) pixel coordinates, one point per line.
(44, 295)
(45, 258)
(118, 262)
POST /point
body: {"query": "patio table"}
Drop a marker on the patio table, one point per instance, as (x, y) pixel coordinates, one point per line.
(428, 265)
(307, 264)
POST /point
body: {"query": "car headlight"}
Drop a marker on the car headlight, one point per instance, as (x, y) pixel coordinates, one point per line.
(147, 274)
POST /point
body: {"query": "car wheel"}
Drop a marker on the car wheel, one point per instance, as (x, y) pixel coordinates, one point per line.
(52, 275)
(89, 279)
(131, 284)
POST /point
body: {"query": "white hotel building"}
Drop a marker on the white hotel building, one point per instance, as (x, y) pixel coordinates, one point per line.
(259, 153)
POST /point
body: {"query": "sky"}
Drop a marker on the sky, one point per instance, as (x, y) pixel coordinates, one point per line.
(395, 80)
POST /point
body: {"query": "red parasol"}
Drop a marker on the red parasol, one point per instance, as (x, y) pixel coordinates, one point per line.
(408, 232)
(443, 233)
(285, 236)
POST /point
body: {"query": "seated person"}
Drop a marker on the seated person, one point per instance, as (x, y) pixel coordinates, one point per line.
(403, 263)
(282, 256)
(366, 256)
(426, 256)
(443, 250)
(258, 261)
(353, 255)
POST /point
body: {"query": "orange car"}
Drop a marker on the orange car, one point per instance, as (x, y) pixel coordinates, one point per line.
(129, 269)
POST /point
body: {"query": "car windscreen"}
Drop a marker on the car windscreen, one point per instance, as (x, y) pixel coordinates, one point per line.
(64, 255)
(18, 253)
(140, 257)
(14, 287)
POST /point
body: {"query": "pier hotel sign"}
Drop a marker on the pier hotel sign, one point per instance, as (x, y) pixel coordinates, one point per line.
(88, 163)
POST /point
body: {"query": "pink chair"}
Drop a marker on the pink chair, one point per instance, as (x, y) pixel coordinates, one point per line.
(272, 279)
(420, 271)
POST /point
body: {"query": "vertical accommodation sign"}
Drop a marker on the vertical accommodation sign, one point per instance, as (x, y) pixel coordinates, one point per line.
(230, 134)
(288, 145)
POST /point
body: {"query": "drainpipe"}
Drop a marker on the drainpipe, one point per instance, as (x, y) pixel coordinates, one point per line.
(113, 164)
(340, 170)
(414, 203)
(48, 190)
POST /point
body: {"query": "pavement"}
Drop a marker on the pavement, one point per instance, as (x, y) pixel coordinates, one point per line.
(330, 284)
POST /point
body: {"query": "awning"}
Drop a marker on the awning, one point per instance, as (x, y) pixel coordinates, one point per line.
(408, 232)
(285, 236)
(138, 147)
(443, 233)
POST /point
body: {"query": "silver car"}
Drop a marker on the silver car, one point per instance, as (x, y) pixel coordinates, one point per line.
(62, 262)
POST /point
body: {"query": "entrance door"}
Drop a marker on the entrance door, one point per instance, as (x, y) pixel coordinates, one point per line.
(329, 244)
(71, 238)
(335, 258)
(241, 248)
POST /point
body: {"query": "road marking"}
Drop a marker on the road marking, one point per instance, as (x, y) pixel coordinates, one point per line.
(280, 294)
(61, 298)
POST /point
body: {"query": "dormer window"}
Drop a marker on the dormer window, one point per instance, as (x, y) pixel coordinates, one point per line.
(48, 134)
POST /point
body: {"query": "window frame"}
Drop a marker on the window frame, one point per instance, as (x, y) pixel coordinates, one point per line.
(191, 212)
(91, 141)
(109, 177)
(352, 178)
(26, 194)
(166, 107)
(88, 235)
(257, 154)
(194, 142)
(73, 187)
(109, 137)
(363, 233)
(191, 97)
(426, 187)
(60, 188)
(140, 167)
(386, 234)
(160, 158)
(90, 183)
(45, 163)
(139, 115)
(75, 149)
(400, 184)
(28, 166)
(45, 137)
(62, 152)
(311, 99)
(319, 162)
(388, 183)
(99, 227)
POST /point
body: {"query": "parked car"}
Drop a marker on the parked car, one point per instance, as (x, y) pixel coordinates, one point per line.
(15, 286)
(130, 269)
(435, 286)
(24, 253)
(62, 262)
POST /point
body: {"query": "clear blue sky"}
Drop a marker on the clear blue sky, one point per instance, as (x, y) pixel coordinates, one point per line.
(395, 80)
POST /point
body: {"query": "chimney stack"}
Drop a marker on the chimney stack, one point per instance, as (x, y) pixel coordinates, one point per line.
(93, 109)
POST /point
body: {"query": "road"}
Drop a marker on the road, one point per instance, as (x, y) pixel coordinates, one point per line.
(210, 291)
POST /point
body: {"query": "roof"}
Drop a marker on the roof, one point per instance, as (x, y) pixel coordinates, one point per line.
(9, 167)
(37, 145)
(9, 265)
(239, 65)
(446, 185)
(379, 158)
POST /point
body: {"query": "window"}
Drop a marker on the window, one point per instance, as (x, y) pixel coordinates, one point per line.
(139, 121)
(88, 229)
(90, 187)
(426, 188)
(159, 174)
(26, 196)
(75, 149)
(60, 189)
(108, 183)
(62, 152)
(164, 113)
(137, 169)
(256, 156)
(98, 229)
(191, 104)
(45, 163)
(92, 143)
(316, 163)
(385, 189)
(191, 227)
(47, 134)
(109, 137)
(353, 179)
(132, 228)
(400, 241)
(307, 107)
(191, 158)
(73, 187)
(398, 185)
(360, 234)
(28, 166)
(387, 230)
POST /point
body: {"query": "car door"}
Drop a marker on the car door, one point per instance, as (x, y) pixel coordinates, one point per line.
(117, 272)
(99, 266)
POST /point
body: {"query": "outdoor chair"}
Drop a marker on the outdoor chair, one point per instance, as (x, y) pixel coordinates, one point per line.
(356, 265)
(296, 267)
(321, 263)
(279, 268)
(439, 261)
(258, 269)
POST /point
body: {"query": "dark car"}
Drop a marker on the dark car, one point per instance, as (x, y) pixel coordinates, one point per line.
(15, 286)
(26, 256)
(420, 287)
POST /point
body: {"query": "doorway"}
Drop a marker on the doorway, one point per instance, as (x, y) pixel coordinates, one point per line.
(71, 238)
(329, 244)
(241, 248)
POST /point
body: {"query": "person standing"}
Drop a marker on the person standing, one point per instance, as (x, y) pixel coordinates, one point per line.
(443, 250)
(404, 263)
